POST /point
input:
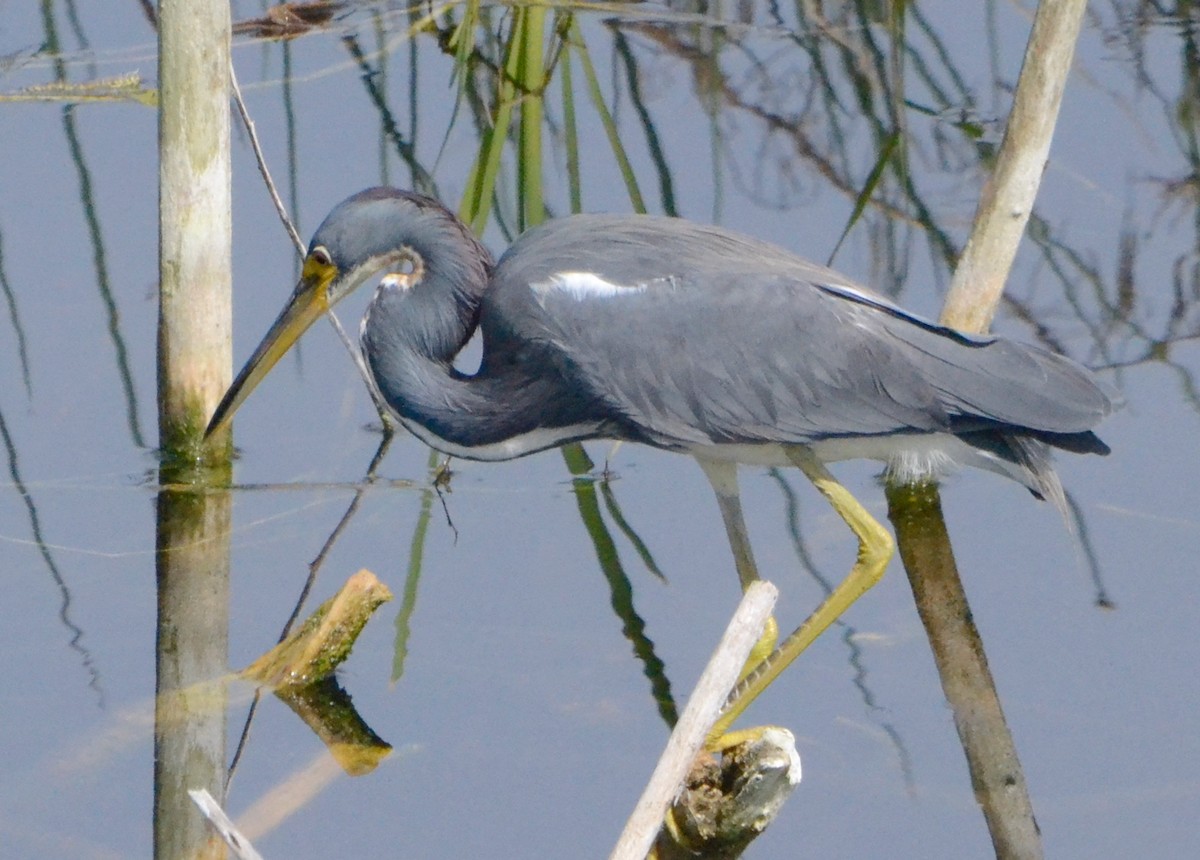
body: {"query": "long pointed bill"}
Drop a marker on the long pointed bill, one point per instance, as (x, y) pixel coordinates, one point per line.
(307, 304)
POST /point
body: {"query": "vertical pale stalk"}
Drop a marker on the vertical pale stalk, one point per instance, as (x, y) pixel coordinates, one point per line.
(916, 512)
(194, 357)
(194, 342)
(1008, 196)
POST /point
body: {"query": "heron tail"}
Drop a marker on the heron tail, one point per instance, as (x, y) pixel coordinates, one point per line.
(1025, 457)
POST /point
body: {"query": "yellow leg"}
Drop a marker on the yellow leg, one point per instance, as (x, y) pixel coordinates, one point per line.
(723, 477)
(875, 549)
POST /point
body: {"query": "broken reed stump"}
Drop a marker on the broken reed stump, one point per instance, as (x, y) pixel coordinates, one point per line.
(324, 640)
(727, 802)
(299, 670)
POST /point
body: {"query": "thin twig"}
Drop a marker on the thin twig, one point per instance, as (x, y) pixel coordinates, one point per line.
(356, 355)
(262, 163)
(351, 348)
(314, 568)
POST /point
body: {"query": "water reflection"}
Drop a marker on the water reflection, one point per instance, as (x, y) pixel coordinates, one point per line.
(48, 558)
(192, 648)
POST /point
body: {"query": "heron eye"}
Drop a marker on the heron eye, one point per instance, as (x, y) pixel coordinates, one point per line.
(320, 256)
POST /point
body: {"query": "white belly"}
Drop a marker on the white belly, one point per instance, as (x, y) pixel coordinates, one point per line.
(908, 457)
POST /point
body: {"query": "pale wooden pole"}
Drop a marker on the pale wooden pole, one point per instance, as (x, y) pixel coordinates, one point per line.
(916, 513)
(1008, 196)
(194, 364)
(195, 233)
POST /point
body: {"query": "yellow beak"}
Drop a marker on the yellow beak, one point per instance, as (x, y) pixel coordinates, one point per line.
(308, 303)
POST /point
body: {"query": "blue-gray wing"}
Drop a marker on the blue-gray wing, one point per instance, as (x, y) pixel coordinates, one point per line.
(693, 335)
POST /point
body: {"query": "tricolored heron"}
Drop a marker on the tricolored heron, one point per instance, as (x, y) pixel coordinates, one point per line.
(685, 337)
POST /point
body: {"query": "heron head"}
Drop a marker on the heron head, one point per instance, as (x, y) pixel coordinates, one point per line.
(380, 230)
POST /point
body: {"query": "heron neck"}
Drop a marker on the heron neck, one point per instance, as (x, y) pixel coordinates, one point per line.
(410, 338)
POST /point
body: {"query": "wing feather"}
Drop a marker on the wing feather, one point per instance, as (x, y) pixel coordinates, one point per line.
(692, 335)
